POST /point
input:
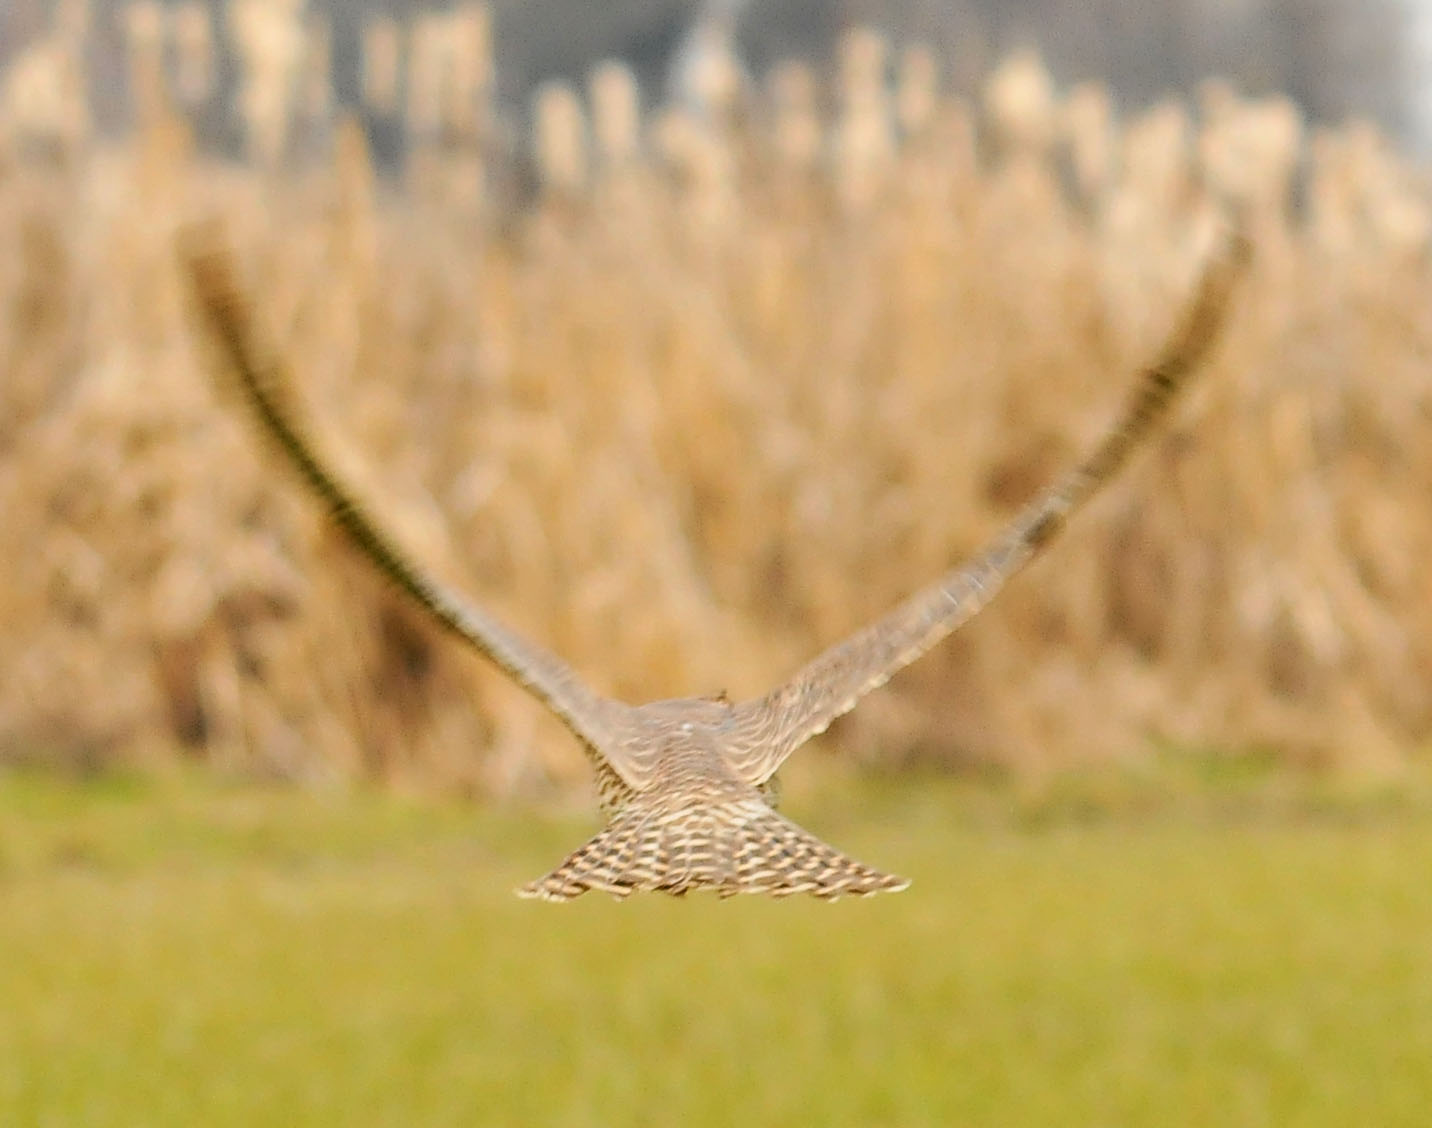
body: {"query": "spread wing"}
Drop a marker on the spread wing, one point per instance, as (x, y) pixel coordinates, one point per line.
(598, 722)
(772, 727)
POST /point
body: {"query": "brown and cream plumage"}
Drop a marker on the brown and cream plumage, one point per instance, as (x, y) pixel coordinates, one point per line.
(686, 784)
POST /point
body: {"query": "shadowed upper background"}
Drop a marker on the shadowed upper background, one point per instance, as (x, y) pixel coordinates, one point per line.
(1338, 59)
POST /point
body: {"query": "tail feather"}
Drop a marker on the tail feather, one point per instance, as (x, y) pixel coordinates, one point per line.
(740, 848)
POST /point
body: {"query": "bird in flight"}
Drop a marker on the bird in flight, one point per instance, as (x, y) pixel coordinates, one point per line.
(687, 784)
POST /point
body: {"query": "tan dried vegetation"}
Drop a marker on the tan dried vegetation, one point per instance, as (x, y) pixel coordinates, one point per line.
(729, 385)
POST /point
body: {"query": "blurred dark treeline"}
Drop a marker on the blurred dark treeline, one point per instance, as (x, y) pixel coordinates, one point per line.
(1337, 58)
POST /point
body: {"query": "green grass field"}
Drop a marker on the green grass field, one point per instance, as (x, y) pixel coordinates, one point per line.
(191, 953)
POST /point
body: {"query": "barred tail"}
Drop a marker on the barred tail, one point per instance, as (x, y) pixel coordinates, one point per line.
(739, 848)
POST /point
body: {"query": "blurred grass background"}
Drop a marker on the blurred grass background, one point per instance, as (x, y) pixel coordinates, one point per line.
(176, 952)
(687, 392)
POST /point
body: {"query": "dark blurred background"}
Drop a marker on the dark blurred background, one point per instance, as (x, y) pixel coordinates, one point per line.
(1338, 59)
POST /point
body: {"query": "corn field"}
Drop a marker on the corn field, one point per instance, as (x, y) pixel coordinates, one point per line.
(688, 392)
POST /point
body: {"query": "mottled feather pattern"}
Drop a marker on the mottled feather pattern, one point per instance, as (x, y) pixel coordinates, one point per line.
(742, 847)
(688, 784)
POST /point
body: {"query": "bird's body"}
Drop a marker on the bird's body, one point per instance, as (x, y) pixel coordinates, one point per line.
(697, 823)
(688, 784)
